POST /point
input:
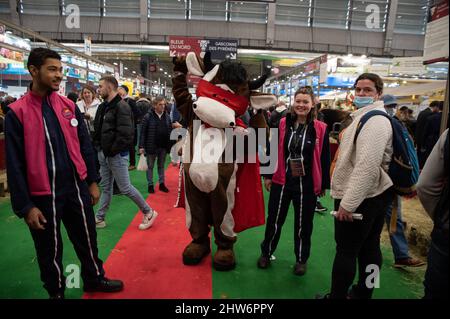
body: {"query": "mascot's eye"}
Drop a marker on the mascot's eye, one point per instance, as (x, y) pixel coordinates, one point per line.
(214, 95)
(225, 100)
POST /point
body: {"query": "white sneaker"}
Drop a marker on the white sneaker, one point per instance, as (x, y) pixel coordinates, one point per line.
(148, 220)
(99, 223)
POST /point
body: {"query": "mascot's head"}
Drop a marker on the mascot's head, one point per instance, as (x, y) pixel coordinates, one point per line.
(224, 92)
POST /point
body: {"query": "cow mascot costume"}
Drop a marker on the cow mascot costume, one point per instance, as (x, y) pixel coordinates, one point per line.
(218, 193)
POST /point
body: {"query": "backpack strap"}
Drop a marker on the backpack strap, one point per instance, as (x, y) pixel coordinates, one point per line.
(366, 117)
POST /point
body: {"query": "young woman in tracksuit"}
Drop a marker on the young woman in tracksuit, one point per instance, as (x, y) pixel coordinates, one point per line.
(301, 176)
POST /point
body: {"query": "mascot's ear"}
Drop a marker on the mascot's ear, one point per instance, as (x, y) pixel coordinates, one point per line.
(211, 74)
(195, 64)
(262, 101)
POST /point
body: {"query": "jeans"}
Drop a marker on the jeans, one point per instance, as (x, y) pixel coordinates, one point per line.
(398, 240)
(160, 155)
(116, 169)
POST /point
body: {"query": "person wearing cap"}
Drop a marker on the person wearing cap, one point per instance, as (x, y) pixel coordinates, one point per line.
(390, 104)
(394, 220)
(123, 91)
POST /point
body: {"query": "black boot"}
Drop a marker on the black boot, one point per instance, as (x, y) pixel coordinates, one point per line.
(263, 262)
(104, 285)
(299, 269)
(58, 295)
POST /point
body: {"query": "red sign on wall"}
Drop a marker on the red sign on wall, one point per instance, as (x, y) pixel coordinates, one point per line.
(180, 46)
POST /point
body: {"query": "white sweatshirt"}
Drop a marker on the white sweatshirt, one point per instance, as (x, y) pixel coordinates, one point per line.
(361, 167)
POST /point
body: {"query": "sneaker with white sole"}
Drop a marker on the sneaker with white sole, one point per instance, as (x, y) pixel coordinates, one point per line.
(148, 220)
(320, 208)
(99, 223)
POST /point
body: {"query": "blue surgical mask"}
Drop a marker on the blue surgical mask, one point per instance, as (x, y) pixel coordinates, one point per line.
(390, 111)
(361, 101)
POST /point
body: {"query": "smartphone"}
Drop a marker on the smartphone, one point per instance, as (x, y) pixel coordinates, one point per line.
(354, 215)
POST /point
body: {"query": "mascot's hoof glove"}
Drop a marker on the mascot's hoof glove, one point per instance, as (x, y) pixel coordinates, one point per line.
(194, 253)
(224, 260)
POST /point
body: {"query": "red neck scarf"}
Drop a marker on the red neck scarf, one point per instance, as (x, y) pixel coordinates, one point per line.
(235, 102)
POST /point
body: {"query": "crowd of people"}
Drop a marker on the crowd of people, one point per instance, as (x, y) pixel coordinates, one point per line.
(56, 160)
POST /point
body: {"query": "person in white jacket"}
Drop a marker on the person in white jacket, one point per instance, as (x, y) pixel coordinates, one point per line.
(88, 105)
(433, 191)
(360, 184)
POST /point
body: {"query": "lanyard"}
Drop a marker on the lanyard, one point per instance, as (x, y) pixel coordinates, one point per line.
(296, 141)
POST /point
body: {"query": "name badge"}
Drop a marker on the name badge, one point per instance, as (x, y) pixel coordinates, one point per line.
(74, 122)
(297, 168)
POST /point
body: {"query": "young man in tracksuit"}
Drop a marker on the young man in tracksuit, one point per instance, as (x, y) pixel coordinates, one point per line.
(302, 174)
(52, 176)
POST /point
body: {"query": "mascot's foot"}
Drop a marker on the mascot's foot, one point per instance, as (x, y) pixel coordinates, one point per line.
(194, 253)
(224, 260)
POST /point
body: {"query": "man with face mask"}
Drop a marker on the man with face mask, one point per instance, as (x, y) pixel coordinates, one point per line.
(390, 104)
(360, 184)
(52, 176)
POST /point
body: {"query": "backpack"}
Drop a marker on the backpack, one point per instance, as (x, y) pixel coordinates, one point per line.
(404, 167)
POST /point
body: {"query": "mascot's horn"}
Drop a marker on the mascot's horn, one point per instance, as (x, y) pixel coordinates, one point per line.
(253, 85)
(209, 65)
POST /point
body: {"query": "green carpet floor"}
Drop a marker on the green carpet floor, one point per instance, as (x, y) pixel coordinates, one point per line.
(19, 275)
(278, 281)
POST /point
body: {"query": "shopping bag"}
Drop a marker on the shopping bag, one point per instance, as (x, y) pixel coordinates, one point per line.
(142, 164)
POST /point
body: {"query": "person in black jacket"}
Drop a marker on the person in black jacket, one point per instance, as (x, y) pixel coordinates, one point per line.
(277, 114)
(432, 131)
(420, 130)
(123, 92)
(155, 141)
(114, 133)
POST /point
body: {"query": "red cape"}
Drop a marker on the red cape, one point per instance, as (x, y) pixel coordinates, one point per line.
(248, 208)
